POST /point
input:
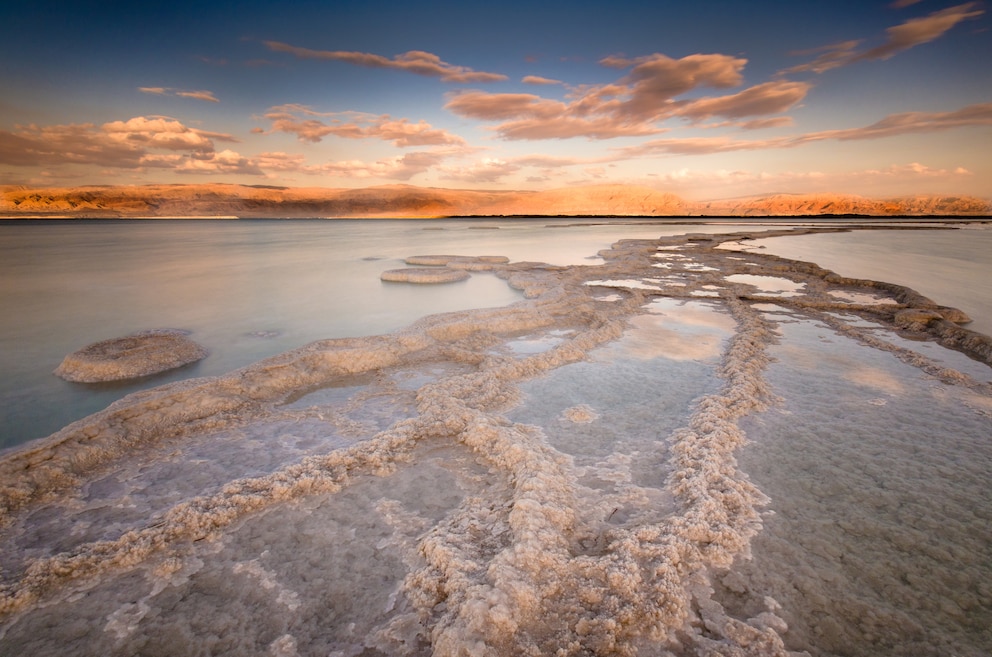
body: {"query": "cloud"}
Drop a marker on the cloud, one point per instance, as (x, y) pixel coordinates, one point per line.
(656, 79)
(633, 105)
(913, 122)
(890, 126)
(198, 95)
(902, 4)
(761, 124)
(913, 32)
(354, 125)
(537, 79)
(918, 31)
(767, 98)
(414, 61)
(127, 144)
(488, 170)
(207, 96)
(224, 162)
(403, 167)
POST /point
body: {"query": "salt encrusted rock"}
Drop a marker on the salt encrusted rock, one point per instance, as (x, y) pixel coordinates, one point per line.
(954, 315)
(132, 356)
(442, 260)
(916, 318)
(432, 275)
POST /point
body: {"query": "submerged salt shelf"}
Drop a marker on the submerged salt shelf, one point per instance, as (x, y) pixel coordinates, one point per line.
(566, 475)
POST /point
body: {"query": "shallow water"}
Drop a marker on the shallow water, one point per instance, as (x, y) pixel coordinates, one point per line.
(246, 290)
(721, 456)
(950, 265)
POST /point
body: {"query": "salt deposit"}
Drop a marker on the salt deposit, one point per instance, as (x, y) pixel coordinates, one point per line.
(139, 354)
(567, 475)
(412, 275)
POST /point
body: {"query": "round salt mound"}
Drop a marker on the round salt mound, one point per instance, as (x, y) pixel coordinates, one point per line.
(132, 356)
(433, 275)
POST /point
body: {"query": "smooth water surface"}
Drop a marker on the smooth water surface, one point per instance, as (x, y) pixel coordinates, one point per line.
(246, 289)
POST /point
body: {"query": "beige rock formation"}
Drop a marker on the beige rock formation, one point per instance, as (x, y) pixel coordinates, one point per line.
(132, 356)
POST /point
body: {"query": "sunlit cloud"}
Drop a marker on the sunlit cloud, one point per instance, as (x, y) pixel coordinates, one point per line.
(762, 124)
(902, 4)
(353, 125)
(207, 96)
(656, 80)
(414, 61)
(224, 162)
(537, 79)
(913, 32)
(890, 126)
(634, 105)
(488, 170)
(198, 95)
(403, 167)
(763, 99)
(119, 144)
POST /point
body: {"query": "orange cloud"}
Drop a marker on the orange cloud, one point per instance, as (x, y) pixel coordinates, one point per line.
(767, 98)
(403, 133)
(922, 30)
(414, 61)
(633, 105)
(913, 32)
(537, 79)
(120, 144)
(890, 126)
(656, 79)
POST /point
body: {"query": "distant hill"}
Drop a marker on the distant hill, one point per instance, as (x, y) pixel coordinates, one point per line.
(839, 204)
(220, 200)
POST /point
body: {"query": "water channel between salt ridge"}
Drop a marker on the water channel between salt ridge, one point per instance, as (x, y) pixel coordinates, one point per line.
(673, 449)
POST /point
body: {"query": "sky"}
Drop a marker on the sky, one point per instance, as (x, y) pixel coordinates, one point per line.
(706, 99)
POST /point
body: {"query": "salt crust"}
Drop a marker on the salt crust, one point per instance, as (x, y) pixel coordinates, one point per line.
(519, 566)
(424, 275)
(132, 356)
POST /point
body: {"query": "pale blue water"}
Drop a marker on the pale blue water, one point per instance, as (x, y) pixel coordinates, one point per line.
(67, 284)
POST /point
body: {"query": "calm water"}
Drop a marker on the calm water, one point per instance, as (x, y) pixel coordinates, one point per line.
(590, 471)
(246, 290)
(952, 267)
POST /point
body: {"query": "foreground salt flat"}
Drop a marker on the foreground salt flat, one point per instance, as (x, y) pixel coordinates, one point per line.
(556, 477)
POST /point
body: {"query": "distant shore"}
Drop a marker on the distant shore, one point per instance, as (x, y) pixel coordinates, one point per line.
(223, 201)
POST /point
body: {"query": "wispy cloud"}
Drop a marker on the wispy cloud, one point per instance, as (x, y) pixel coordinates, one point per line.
(635, 104)
(414, 61)
(913, 32)
(537, 79)
(207, 96)
(890, 126)
(307, 125)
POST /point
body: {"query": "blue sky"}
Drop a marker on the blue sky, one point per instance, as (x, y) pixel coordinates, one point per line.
(704, 99)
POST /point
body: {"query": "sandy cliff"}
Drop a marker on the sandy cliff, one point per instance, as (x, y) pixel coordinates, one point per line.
(216, 200)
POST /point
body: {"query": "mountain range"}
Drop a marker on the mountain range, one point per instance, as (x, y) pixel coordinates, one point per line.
(407, 201)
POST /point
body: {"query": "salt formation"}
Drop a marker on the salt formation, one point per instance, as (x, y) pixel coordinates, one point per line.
(559, 476)
(412, 275)
(139, 354)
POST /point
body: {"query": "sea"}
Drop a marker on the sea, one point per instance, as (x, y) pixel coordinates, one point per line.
(632, 437)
